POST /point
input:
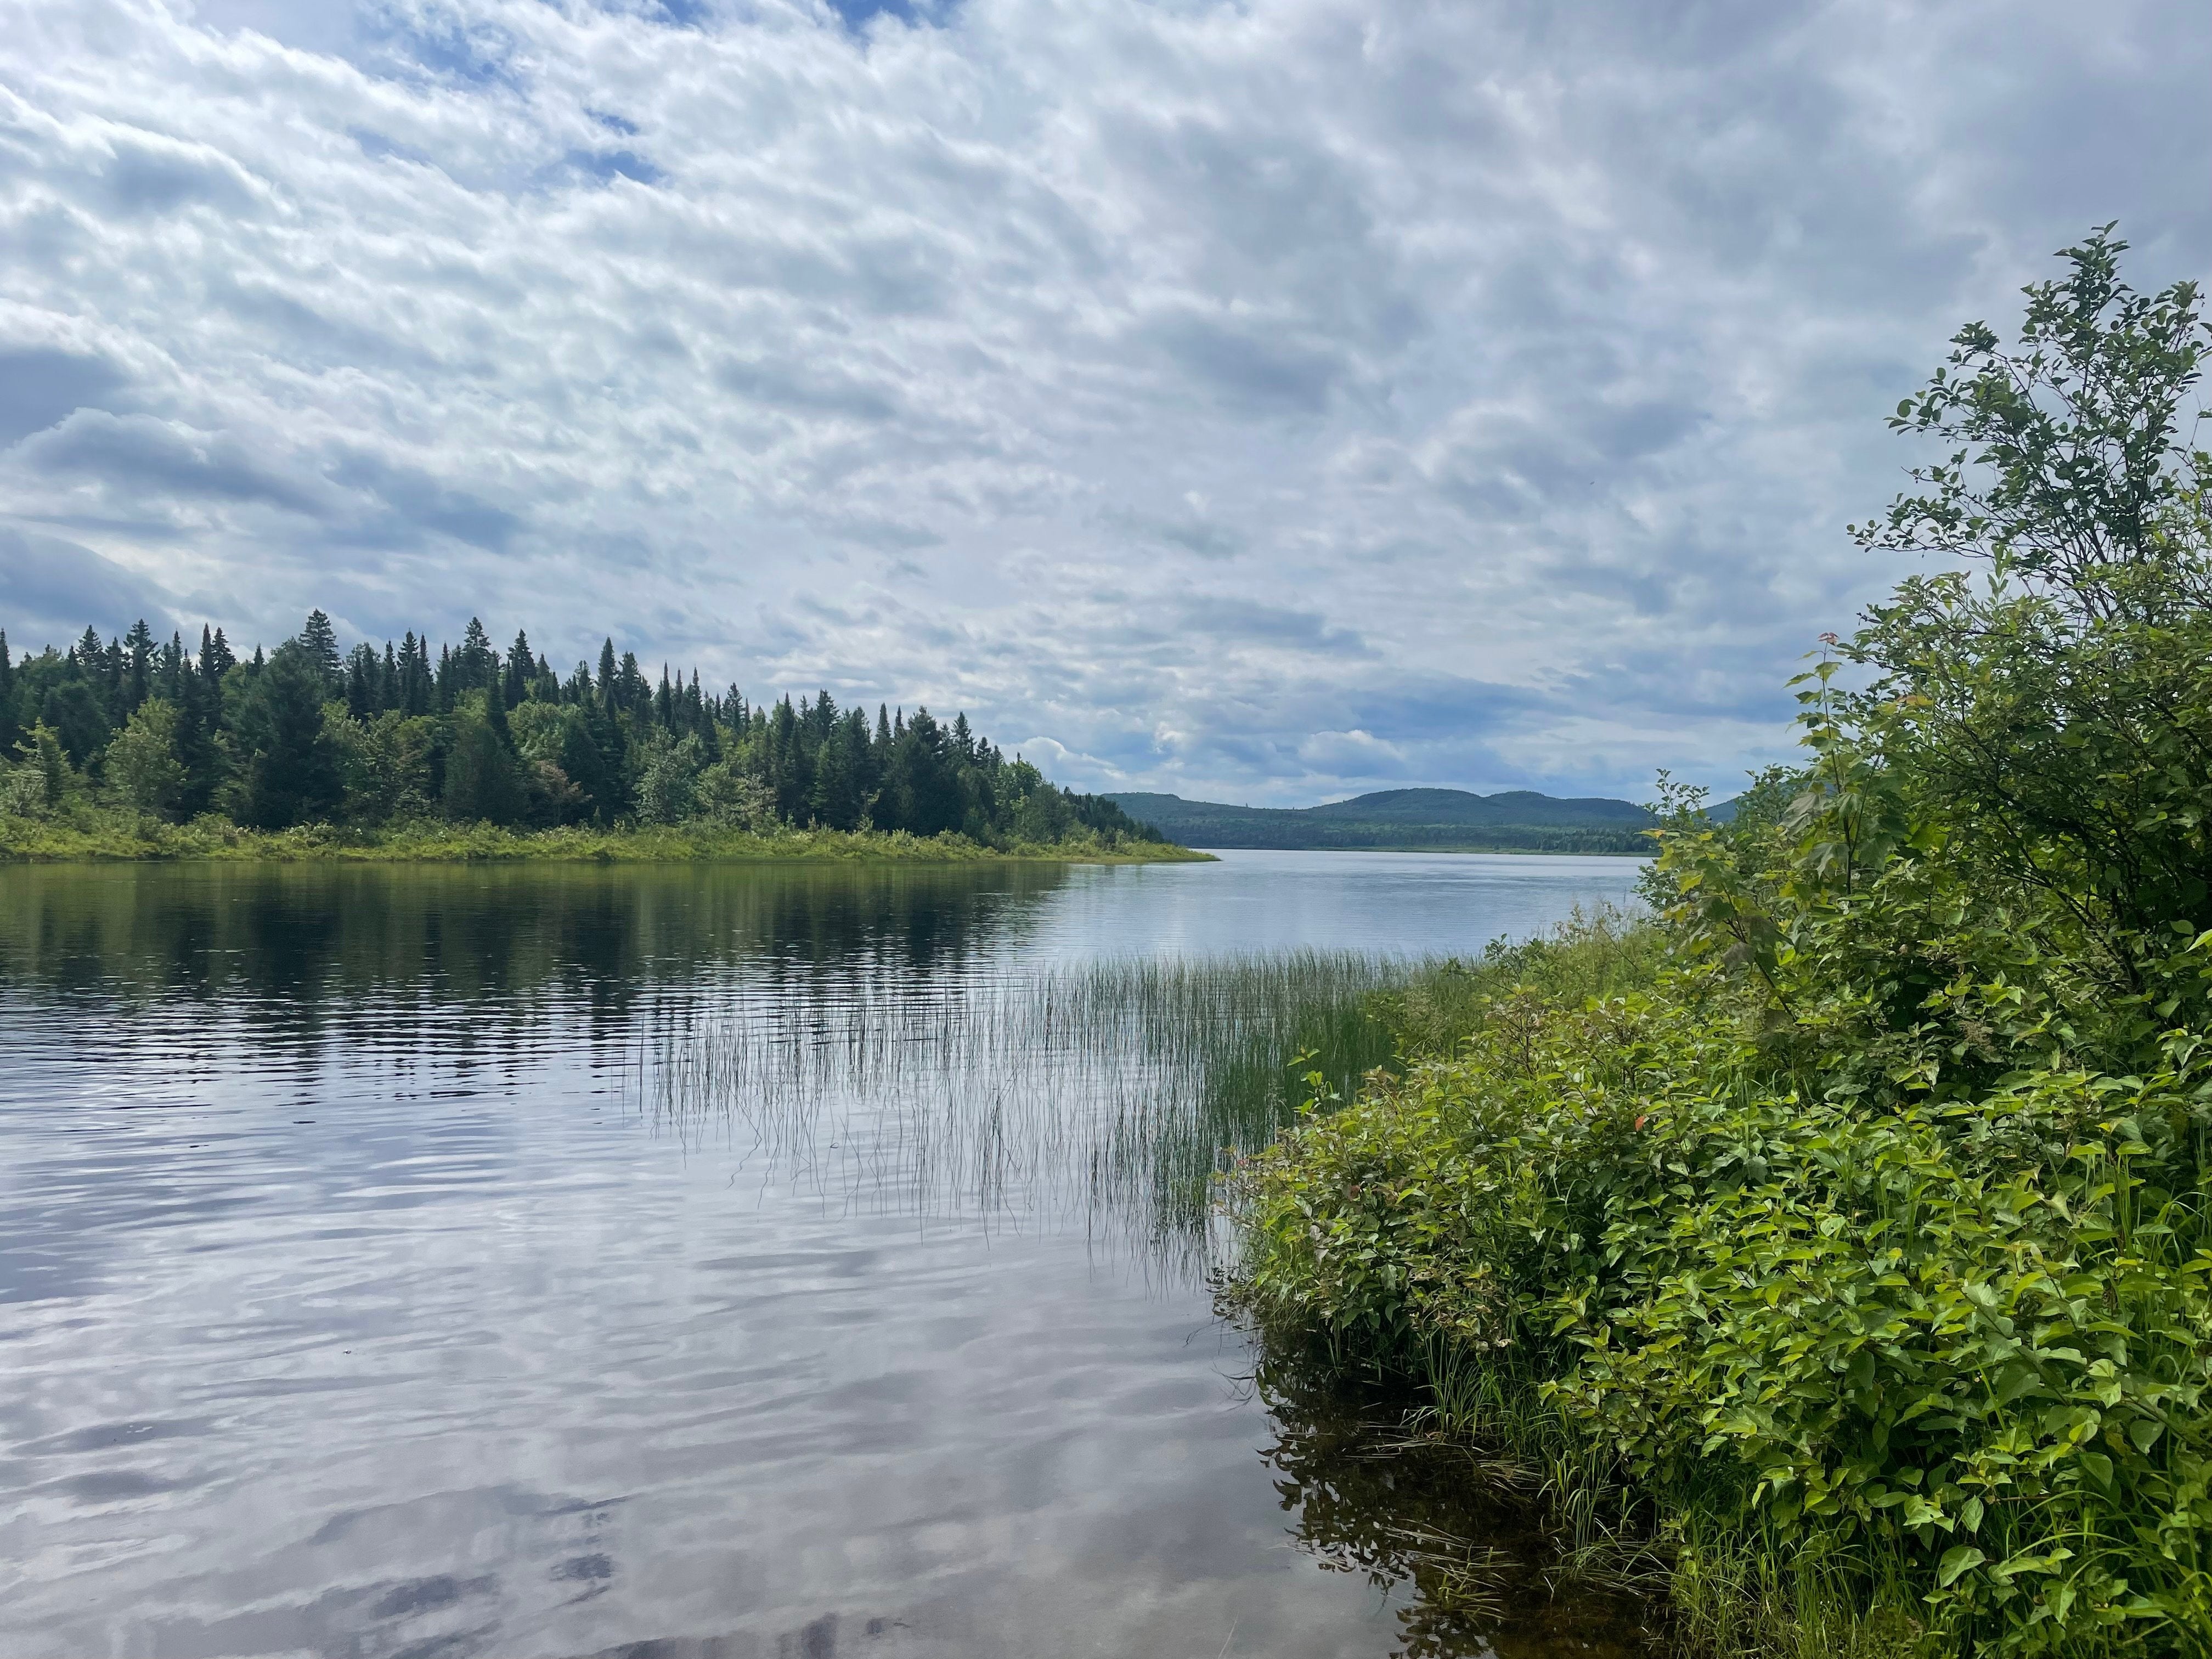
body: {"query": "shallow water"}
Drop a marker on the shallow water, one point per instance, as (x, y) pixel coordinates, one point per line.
(549, 1261)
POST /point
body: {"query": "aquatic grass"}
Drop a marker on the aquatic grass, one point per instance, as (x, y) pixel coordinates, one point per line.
(1114, 1090)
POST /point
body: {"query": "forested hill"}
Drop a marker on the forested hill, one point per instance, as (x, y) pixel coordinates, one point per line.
(314, 734)
(1519, 820)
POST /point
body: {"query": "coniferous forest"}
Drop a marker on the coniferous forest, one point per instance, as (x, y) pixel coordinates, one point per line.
(144, 732)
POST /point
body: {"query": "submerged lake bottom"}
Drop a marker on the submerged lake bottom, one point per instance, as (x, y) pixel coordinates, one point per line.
(677, 1262)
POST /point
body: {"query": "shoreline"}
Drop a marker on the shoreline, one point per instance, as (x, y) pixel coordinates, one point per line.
(1455, 852)
(484, 843)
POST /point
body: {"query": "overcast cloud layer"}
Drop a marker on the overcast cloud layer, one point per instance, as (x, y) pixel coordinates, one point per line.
(1264, 402)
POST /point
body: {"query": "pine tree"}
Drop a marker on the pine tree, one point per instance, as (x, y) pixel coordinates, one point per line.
(415, 685)
(364, 676)
(320, 641)
(484, 775)
(521, 669)
(11, 725)
(74, 707)
(199, 706)
(217, 658)
(139, 669)
(292, 770)
(476, 664)
(583, 760)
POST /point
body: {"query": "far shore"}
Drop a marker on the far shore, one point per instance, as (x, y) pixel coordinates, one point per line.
(42, 842)
(1506, 852)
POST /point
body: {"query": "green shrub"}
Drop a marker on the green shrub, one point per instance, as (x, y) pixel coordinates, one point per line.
(1854, 1269)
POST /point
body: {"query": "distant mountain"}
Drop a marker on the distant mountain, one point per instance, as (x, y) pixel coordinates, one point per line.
(1447, 820)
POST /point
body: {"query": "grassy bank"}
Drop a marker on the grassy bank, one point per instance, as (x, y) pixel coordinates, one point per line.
(110, 837)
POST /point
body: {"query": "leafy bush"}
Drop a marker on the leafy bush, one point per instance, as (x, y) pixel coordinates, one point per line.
(1864, 1244)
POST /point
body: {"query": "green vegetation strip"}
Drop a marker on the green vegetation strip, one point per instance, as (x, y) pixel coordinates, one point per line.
(98, 838)
(1835, 1250)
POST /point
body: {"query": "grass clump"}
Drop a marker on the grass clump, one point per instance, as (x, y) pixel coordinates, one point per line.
(1112, 1091)
(1837, 1254)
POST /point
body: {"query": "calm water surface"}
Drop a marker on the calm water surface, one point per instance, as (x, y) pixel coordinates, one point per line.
(668, 1262)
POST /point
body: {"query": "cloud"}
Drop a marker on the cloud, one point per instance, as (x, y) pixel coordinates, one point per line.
(39, 385)
(138, 456)
(406, 502)
(1267, 399)
(1250, 364)
(51, 588)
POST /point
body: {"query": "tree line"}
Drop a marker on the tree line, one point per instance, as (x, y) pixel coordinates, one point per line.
(308, 734)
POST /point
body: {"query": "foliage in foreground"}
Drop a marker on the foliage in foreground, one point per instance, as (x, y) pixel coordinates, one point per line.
(1853, 1272)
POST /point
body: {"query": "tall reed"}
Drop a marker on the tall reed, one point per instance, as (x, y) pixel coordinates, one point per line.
(1109, 1092)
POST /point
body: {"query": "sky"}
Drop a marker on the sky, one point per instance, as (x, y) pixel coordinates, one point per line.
(1265, 402)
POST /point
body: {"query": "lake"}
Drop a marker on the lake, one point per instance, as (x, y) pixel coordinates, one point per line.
(696, 1263)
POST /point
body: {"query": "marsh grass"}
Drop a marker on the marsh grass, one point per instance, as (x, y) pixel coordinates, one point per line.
(1109, 1092)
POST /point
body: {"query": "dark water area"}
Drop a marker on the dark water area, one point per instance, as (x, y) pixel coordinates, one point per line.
(685, 1262)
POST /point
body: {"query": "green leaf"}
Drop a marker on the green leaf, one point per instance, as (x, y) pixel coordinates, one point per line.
(1959, 1558)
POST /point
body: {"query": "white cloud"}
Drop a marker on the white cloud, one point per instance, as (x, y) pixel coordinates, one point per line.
(1263, 400)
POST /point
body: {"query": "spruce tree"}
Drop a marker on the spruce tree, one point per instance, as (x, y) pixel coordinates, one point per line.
(292, 774)
(320, 641)
(414, 675)
(484, 775)
(521, 669)
(198, 714)
(138, 670)
(75, 709)
(217, 658)
(476, 663)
